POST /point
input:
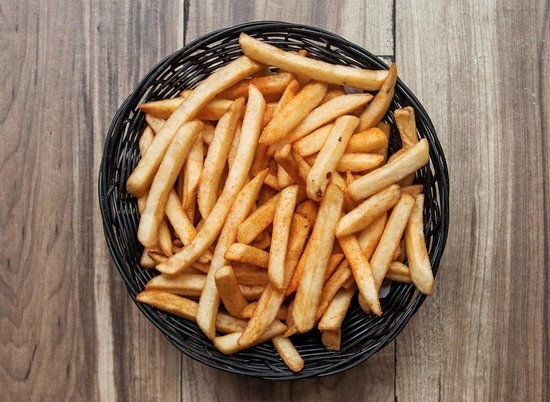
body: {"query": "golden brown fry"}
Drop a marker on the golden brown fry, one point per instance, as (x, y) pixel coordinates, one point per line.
(358, 162)
(249, 275)
(146, 261)
(419, 262)
(146, 139)
(333, 92)
(283, 178)
(208, 133)
(256, 223)
(313, 142)
(308, 209)
(378, 107)
(216, 158)
(363, 304)
(336, 311)
(399, 272)
(165, 238)
(331, 339)
(290, 92)
(333, 148)
(284, 156)
(311, 283)
(299, 230)
(369, 140)
(142, 176)
(155, 123)
(370, 80)
(189, 285)
(229, 291)
(385, 127)
(164, 180)
(413, 189)
(288, 353)
(234, 146)
(268, 115)
(252, 292)
(413, 159)
(349, 203)
(333, 264)
(192, 170)
(272, 181)
(332, 285)
(249, 255)
(248, 311)
(228, 344)
(406, 124)
(271, 86)
(291, 114)
(389, 241)
(163, 109)
(368, 211)
(370, 236)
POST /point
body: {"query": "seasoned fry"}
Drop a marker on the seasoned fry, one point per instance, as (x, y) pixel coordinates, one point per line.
(333, 263)
(146, 261)
(189, 285)
(313, 142)
(164, 180)
(419, 262)
(389, 241)
(234, 146)
(366, 212)
(315, 69)
(249, 274)
(248, 311)
(288, 353)
(280, 236)
(155, 123)
(399, 272)
(331, 339)
(163, 109)
(332, 285)
(216, 157)
(229, 291)
(336, 311)
(283, 178)
(369, 140)
(208, 133)
(252, 292)
(142, 176)
(290, 92)
(271, 86)
(285, 158)
(308, 209)
(299, 230)
(378, 107)
(309, 289)
(358, 162)
(332, 92)
(332, 150)
(249, 255)
(228, 344)
(192, 170)
(413, 159)
(370, 236)
(257, 221)
(165, 238)
(146, 139)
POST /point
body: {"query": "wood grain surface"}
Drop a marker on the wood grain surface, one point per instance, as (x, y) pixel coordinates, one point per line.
(68, 329)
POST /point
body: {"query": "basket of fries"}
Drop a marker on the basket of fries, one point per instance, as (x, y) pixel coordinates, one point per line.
(276, 200)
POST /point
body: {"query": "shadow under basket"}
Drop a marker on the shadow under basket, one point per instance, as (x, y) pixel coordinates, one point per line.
(362, 335)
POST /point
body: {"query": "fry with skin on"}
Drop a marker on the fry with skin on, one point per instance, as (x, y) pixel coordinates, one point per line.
(271, 86)
(235, 180)
(330, 153)
(378, 107)
(419, 262)
(229, 291)
(142, 176)
(369, 80)
(358, 162)
(411, 160)
(228, 344)
(336, 311)
(313, 142)
(399, 272)
(250, 255)
(216, 157)
(280, 236)
(320, 246)
(164, 180)
(369, 140)
(189, 285)
(288, 353)
(391, 237)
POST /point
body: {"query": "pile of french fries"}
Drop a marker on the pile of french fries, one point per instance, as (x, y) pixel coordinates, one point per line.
(268, 199)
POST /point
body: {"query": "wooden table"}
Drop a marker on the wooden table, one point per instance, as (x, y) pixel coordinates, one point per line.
(67, 326)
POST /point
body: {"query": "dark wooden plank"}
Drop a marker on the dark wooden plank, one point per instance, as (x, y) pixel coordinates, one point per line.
(479, 69)
(68, 330)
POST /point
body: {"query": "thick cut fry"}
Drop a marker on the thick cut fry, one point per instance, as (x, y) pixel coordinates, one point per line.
(326, 113)
(183, 227)
(248, 311)
(163, 109)
(268, 115)
(370, 80)
(291, 114)
(272, 181)
(235, 180)
(411, 160)
(413, 189)
(252, 292)
(362, 272)
(369, 140)
(349, 203)
(208, 133)
(165, 238)
(396, 155)
(271, 86)
(333, 148)
(164, 180)
(290, 92)
(334, 283)
(366, 212)
(378, 107)
(256, 223)
(303, 166)
(389, 241)
(216, 158)
(209, 301)
(284, 156)
(283, 177)
(146, 139)
(190, 285)
(370, 236)
(229, 291)
(299, 270)
(308, 209)
(333, 263)
(142, 176)
(288, 353)
(299, 230)
(262, 241)
(417, 255)
(406, 124)
(333, 92)
(313, 142)
(280, 236)
(234, 146)
(146, 261)
(155, 123)
(331, 339)
(309, 289)
(358, 162)
(336, 311)
(250, 275)
(228, 344)
(249, 255)
(399, 272)
(192, 172)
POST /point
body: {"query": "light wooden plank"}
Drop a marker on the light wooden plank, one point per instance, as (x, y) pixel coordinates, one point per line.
(479, 70)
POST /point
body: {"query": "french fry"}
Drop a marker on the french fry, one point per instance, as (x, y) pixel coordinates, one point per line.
(283, 178)
(389, 241)
(311, 283)
(156, 255)
(228, 344)
(406, 124)
(288, 353)
(229, 291)
(250, 275)
(369, 80)
(369, 237)
(235, 180)
(363, 304)
(331, 339)
(358, 162)
(272, 181)
(257, 221)
(268, 115)
(234, 146)
(216, 157)
(333, 92)
(262, 241)
(226, 76)
(349, 203)
(330, 153)
(385, 127)
(413, 189)
(308, 209)
(189, 285)
(247, 254)
(336, 311)
(146, 139)
(163, 109)
(208, 133)
(362, 272)
(165, 238)
(248, 311)
(369, 140)
(192, 170)
(155, 123)
(291, 114)
(411, 160)
(299, 230)
(396, 155)
(333, 264)
(146, 261)
(419, 262)
(332, 285)
(313, 142)
(290, 92)
(377, 108)
(271, 86)
(164, 180)
(280, 236)
(399, 272)
(285, 158)
(366, 212)
(252, 292)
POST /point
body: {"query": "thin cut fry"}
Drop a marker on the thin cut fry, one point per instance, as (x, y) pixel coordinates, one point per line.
(376, 110)
(229, 291)
(288, 353)
(249, 255)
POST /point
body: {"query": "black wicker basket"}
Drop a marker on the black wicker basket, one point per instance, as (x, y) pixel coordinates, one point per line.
(362, 335)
